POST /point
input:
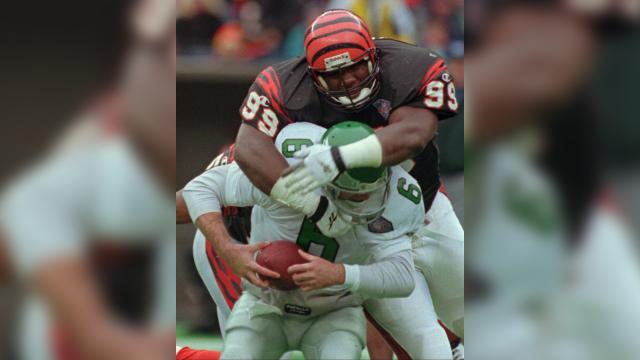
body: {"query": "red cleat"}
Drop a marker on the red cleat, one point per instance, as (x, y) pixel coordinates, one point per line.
(187, 353)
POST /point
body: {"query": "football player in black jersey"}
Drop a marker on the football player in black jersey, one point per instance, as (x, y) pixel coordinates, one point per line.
(347, 75)
(400, 89)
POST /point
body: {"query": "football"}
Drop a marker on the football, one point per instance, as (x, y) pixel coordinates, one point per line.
(278, 257)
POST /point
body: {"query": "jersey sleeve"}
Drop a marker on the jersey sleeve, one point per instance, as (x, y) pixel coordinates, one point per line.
(392, 276)
(263, 107)
(220, 186)
(227, 156)
(436, 90)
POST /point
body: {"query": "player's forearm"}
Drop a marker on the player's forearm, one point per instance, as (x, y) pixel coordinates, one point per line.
(203, 200)
(390, 277)
(410, 130)
(258, 158)
(214, 230)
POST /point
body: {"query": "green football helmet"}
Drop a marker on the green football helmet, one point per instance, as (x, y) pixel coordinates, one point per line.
(360, 194)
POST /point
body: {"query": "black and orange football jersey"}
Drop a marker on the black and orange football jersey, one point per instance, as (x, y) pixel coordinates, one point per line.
(410, 76)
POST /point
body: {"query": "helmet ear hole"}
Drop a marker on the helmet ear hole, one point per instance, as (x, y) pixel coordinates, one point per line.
(323, 82)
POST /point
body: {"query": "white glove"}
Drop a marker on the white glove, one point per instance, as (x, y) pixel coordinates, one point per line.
(318, 208)
(306, 204)
(321, 164)
(327, 220)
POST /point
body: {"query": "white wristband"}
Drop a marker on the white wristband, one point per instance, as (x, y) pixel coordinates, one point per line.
(352, 276)
(363, 153)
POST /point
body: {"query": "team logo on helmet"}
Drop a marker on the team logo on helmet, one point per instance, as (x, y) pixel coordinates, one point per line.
(335, 62)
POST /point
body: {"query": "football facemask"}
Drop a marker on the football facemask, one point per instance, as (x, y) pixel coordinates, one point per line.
(360, 206)
(349, 99)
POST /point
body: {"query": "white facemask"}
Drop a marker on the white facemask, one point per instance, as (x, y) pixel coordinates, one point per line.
(362, 97)
(362, 212)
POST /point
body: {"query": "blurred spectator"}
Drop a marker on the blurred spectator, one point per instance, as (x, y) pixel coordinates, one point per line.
(197, 21)
(258, 29)
(294, 41)
(451, 12)
(386, 18)
(252, 36)
(239, 29)
(436, 36)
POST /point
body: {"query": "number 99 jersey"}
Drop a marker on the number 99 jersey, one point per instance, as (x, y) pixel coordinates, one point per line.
(410, 76)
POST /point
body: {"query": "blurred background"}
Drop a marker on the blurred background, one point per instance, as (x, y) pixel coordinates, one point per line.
(222, 45)
(87, 247)
(551, 172)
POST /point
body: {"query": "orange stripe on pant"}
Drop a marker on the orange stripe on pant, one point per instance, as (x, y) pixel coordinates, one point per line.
(227, 281)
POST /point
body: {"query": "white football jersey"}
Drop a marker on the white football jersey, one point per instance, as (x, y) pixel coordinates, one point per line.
(391, 233)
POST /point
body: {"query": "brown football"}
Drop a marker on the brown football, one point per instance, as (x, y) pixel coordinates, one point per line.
(278, 257)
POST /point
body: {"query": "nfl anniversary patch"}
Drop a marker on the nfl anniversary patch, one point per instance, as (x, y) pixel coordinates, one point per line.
(380, 226)
(383, 106)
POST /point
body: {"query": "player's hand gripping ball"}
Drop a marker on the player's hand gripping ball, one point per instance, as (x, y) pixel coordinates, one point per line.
(278, 256)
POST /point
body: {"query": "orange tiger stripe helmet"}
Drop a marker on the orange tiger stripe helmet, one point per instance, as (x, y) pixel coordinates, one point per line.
(335, 40)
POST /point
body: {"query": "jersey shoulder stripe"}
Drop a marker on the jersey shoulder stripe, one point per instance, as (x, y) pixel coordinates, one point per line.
(227, 156)
(432, 73)
(269, 82)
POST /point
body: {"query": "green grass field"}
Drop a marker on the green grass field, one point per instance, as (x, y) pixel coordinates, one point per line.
(212, 342)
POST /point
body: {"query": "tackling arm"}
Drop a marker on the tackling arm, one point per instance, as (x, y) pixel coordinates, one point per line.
(258, 158)
(409, 132)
